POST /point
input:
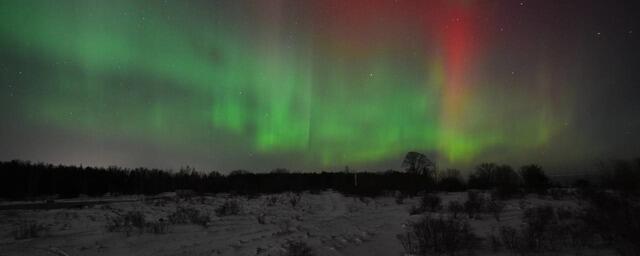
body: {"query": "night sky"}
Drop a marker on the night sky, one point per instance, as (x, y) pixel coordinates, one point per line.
(318, 85)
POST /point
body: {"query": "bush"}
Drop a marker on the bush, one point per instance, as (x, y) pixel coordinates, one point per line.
(496, 208)
(507, 182)
(558, 193)
(298, 248)
(134, 221)
(534, 179)
(546, 229)
(495, 241)
(157, 227)
(615, 218)
(502, 178)
(621, 175)
(399, 197)
(538, 223)
(428, 203)
(135, 218)
(29, 229)
(229, 207)
(483, 176)
(271, 200)
(455, 208)
(475, 204)
(451, 181)
(510, 239)
(127, 223)
(583, 186)
(262, 218)
(451, 184)
(294, 199)
(184, 215)
(438, 236)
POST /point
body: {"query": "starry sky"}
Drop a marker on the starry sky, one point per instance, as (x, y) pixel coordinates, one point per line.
(318, 85)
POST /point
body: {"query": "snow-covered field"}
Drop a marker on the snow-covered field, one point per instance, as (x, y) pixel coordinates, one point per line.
(330, 223)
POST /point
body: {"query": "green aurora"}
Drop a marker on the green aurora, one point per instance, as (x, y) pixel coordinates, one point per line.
(315, 85)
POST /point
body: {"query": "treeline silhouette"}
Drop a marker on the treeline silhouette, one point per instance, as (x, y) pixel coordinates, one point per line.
(26, 180)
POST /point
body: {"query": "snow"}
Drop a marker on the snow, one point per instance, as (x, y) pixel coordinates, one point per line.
(329, 222)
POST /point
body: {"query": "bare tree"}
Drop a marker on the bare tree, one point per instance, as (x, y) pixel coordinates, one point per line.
(415, 162)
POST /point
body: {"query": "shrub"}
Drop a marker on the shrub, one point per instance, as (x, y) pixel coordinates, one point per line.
(547, 229)
(583, 186)
(558, 193)
(496, 208)
(502, 178)
(475, 204)
(523, 204)
(29, 229)
(415, 210)
(621, 175)
(451, 181)
(494, 240)
(127, 223)
(483, 176)
(615, 218)
(543, 231)
(135, 218)
(534, 179)
(451, 184)
(262, 218)
(399, 197)
(428, 203)
(229, 207)
(9, 214)
(438, 236)
(538, 223)
(298, 248)
(364, 200)
(294, 199)
(184, 215)
(510, 239)
(431, 202)
(565, 213)
(134, 221)
(550, 229)
(455, 208)
(272, 200)
(157, 227)
(507, 181)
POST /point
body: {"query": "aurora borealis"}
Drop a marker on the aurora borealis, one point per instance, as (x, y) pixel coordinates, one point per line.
(317, 84)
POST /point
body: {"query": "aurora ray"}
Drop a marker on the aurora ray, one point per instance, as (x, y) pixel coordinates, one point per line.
(304, 84)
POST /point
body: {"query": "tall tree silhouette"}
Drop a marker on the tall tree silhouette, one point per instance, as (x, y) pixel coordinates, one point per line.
(534, 178)
(483, 177)
(418, 163)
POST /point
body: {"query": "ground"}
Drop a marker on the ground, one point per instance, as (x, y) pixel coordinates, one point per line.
(329, 222)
